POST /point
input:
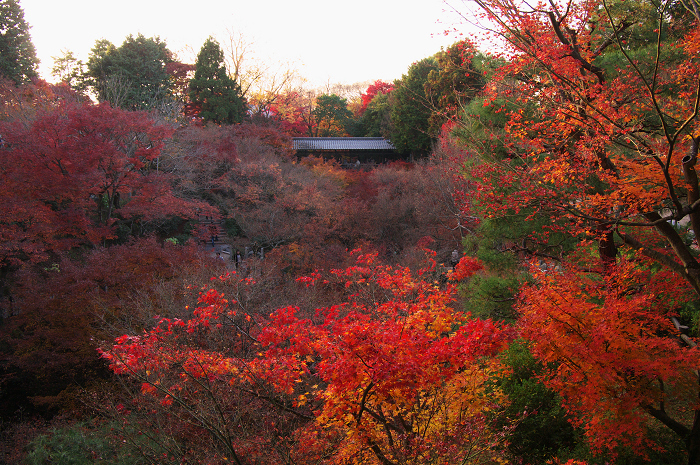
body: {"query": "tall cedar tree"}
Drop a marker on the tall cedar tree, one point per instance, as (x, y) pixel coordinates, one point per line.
(216, 96)
(18, 59)
(601, 136)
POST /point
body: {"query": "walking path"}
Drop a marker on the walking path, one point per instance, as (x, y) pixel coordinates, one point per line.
(213, 236)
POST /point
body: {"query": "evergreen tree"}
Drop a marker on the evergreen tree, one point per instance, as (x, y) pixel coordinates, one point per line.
(375, 120)
(132, 76)
(18, 59)
(411, 110)
(214, 94)
(332, 116)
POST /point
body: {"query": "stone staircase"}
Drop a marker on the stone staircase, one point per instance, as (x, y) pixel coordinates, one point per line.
(213, 235)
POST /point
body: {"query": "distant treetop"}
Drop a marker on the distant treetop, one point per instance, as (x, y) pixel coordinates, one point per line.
(132, 76)
(18, 60)
(214, 94)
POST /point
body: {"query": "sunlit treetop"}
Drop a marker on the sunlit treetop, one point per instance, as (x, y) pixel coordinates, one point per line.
(18, 61)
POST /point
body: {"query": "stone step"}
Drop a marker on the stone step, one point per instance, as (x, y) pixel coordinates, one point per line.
(213, 228)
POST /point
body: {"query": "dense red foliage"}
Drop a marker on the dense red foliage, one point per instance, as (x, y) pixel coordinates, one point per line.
(293, 112)
(378, 87)
(72, 171)
(60, 310)
(391, 373)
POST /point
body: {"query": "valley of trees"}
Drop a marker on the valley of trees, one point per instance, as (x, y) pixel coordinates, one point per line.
(523, 287)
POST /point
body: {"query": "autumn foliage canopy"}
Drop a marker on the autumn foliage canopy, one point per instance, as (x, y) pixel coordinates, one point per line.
(390, 374)
(566, 161)
(594, 135)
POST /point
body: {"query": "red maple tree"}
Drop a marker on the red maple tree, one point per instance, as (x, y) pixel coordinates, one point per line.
(73, 170)
(377, 87)
(393, 374)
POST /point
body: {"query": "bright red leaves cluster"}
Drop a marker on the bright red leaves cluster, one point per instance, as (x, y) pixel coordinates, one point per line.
(391, 374)
(378, 87)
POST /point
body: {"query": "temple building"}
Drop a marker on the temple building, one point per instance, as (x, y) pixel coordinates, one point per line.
(346, 150)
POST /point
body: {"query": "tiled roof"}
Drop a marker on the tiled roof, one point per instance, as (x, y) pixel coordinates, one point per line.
(341, 143)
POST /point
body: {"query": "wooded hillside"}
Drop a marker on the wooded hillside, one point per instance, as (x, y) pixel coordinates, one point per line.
(177, 286)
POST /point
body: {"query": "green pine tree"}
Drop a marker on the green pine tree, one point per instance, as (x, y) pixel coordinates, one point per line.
(216, 97)
(18, 60)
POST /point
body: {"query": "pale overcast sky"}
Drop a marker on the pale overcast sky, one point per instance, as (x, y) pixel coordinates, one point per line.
(336, 42)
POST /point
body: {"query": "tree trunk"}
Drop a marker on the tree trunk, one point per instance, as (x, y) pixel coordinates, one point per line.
(606, 247)
(692, 442)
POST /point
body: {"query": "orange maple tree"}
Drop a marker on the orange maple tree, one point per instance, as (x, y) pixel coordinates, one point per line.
(292, 110)
(600, 106)
(615, 367)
